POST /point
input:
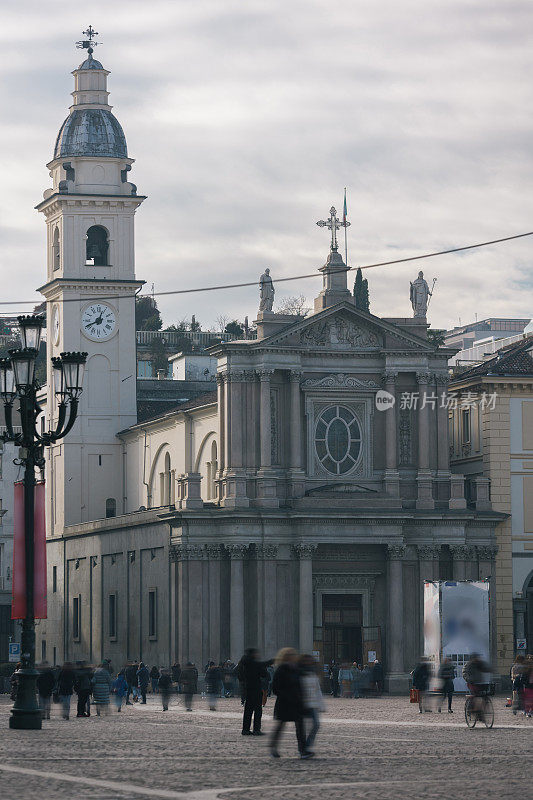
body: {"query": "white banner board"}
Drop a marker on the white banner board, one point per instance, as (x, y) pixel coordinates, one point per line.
(464, 624)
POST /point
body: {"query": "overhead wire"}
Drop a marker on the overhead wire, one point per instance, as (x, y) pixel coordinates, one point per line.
(314, 274)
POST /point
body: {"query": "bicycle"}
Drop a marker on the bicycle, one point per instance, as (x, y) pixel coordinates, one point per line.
(479, 707)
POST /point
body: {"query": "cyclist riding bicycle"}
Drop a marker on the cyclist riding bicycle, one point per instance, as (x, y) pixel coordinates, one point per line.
(476, 673)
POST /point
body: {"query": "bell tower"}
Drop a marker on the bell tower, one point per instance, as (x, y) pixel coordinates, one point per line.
(90, 297)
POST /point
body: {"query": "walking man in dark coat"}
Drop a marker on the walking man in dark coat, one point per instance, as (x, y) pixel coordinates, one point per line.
(252, 673)
(83, 688)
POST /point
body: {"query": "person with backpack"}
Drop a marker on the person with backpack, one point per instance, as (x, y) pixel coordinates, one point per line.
(65, 687)
(446, 675)
(165, 688)
(82, 687)
(120, 689)
(154, 678)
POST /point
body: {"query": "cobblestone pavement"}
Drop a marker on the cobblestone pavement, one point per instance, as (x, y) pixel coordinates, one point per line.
(368, 748)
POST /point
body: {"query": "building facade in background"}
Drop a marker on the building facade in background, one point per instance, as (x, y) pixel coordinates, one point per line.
(302, 503)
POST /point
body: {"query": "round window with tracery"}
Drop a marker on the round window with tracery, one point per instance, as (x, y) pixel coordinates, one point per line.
(338, 439)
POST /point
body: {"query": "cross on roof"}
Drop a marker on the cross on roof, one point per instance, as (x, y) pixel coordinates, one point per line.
(334, 224)
(88, 44)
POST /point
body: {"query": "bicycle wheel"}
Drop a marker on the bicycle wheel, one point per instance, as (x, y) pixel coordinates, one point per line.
(470, 712)
(488, 713)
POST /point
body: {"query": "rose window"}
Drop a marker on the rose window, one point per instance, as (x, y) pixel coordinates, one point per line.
(338, 439)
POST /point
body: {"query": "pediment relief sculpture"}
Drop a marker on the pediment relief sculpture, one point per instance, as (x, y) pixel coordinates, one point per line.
(338, 332)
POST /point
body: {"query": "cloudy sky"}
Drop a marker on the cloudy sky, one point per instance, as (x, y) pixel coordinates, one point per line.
(247, 119)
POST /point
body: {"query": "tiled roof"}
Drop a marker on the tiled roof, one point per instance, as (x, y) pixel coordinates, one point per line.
(511, 360)
(152, 410)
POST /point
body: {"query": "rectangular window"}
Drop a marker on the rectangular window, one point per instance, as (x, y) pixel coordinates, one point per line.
(113, 617)
(54, 578)
(465, 426)
(43, 650)
(152, 614)
(76, 618)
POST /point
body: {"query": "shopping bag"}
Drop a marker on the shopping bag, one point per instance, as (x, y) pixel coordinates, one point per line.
(414, 696)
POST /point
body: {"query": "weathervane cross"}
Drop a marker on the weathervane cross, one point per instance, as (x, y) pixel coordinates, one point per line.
(334, 224)
(88, 44)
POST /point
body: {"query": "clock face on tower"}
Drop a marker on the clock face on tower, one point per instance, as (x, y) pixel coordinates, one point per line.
(98, 322)
(55, 325)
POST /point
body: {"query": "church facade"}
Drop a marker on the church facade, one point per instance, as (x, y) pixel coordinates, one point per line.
(303, 503)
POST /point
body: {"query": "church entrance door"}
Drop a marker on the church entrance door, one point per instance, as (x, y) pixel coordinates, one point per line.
(342, 619)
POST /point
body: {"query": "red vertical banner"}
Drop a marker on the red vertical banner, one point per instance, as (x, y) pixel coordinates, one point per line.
(39, 553)
(18, 604)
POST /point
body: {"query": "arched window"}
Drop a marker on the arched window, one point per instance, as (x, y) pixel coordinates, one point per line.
(212, 467)
(167, 483)
(55, 250)
(110, 507)
(97, 247)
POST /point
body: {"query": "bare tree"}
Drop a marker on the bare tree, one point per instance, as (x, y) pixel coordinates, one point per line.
(221, 321)
(296, 305)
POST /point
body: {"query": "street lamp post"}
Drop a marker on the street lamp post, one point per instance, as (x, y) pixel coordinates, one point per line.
(17, 382)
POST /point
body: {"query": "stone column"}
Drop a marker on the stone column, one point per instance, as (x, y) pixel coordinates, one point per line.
(392, 478)
(265, 425)
(180, 553)
(227, 424)
(196, 555)
(266, 482)
(235, 495)
(424, 479)
(304, 552)
(397, 680)
(297, 472)
(443, 443)
(221, 436)
(214, 553)
(268, 553)
(237, 553)
(461, 553)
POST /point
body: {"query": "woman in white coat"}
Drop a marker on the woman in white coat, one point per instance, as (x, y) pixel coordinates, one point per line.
(313, 701)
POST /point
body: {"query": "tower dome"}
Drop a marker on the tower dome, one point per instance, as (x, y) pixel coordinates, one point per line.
(91, 129)
(91, 132)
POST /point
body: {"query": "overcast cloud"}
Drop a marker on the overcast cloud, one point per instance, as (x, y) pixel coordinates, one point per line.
(247, 119)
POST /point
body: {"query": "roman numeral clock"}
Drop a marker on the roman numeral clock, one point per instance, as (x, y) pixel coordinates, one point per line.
(98, 322)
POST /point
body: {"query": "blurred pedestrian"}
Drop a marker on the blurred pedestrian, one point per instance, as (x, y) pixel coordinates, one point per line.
(334, 678)
(345, 680)
(365, 680)
(82, 687)
(446, 675)
(356, 680)
(65, 687)
(212, 682)
(154, 677)
(289, 706)
(312, 699)
(517, 671)
(131, 679)
(176, 674)
(165, 687)
(251, 673)
(14, 681)
(143, 679)
(101, 683)
(45, 687)
(189, 677)
(377, 677)
(120, 689)
(421, 675)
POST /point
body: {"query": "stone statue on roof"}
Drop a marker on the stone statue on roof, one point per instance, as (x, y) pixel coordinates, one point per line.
(419, 295)
(266, 291)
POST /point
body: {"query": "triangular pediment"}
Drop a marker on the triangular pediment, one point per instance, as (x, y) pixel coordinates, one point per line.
(344, 327)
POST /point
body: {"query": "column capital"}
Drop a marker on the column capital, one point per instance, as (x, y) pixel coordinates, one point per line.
(197, 552)
(302, 550)
(389, 377)
(236, 376)
(486, 552)
(295, 375)
(267, 552)
(221, 377)
(249, 376)
(442, 378)
(428, 552)
(423, 377)
(237, 552)
(462, 552)
(214, 551)
(264, 374)
(396, 551)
